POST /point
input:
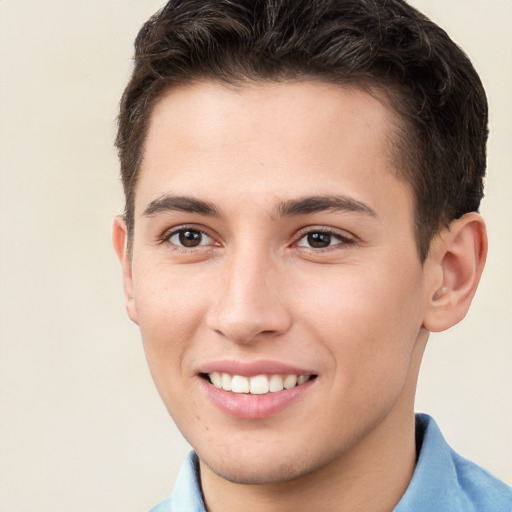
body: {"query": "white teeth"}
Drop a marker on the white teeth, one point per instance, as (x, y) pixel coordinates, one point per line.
(301, 379)
(226, 382)
(256, 385)
(290, 381)
(239, 384)
(275, 383)
(216, 379)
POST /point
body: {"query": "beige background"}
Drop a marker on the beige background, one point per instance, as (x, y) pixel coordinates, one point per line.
(81, 427)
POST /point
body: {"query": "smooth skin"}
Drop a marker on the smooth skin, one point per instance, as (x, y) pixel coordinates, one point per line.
(242, 276)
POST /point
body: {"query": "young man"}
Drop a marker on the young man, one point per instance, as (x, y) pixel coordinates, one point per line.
(302, 181)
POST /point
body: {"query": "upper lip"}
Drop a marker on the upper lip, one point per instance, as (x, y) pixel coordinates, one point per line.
(251, 368)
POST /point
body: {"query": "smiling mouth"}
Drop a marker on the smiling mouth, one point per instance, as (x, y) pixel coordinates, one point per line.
(257, 384)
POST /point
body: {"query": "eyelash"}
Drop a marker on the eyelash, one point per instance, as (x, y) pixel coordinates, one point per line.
(341, 240)
(167, 236)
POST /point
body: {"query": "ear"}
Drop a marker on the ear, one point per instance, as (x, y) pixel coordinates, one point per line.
(455, 264)
(119, 240)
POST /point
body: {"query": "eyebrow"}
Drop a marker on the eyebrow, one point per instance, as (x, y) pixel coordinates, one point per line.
(181, 204)
(316, 204)
(292, 207)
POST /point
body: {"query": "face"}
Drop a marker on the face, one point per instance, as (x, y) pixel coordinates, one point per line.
(275, 276)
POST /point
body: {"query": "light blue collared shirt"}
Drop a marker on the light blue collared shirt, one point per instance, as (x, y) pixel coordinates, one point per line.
(443, 481)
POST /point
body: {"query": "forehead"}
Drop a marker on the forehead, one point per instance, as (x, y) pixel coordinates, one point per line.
(206, 112)
(286, 135)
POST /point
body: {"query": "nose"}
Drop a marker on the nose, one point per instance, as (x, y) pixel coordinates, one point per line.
(251, 304)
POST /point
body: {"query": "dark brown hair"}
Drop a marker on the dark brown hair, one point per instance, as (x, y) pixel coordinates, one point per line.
(384, 46)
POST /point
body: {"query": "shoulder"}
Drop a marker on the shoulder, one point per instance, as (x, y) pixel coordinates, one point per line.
(445, 481)
(480, 488)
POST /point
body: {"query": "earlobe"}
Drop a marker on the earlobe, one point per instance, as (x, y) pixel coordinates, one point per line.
(119, 241)
(456, 262)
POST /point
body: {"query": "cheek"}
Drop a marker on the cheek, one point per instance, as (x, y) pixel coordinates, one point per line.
(167, 303)
(366, 319)
(169, 310)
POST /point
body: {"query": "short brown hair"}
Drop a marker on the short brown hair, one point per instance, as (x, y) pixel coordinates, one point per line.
(385, 46)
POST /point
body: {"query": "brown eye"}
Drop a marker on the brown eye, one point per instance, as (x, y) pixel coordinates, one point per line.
(323, 240)
(190, 238)
(319, 240)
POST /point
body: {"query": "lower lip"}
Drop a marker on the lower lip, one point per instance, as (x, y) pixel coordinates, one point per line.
(252, 407)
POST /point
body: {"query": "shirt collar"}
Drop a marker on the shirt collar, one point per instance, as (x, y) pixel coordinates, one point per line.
(187, 489)
(434, 483)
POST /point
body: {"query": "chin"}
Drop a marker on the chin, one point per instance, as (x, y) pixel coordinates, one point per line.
(265, 466)
(260, 474)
